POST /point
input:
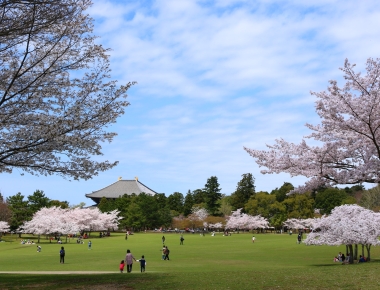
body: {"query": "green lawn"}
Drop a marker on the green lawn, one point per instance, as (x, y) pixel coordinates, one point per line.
(272, 262)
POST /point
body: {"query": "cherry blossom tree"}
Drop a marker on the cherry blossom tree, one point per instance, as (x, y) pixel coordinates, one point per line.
(347, 225)
(298, 224)
(69, 221)
(4, 227)
(349, 134)
(198, 215)
(239, 220)
(56, 95)
(50, 220)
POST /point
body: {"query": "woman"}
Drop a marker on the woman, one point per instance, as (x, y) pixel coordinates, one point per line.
(129, 261)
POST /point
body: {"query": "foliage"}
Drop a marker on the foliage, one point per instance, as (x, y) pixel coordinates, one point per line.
(349, 133)
(188, 203)
(20, 210)
(282, 192)
(299, 206)
(56, 95)
(330, 198)
(225, 207)
(37, 201)
(371, 198)
(175, 202)
(212, 194)
(244, 190)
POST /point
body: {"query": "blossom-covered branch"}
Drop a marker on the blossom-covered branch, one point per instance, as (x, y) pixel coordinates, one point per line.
(349, 132)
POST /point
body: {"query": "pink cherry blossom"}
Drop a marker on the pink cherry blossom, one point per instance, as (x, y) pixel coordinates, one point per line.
(349, 134)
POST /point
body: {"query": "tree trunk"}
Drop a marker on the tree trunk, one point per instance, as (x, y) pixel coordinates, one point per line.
(363, 250)
(368, 247)
(356, 252)
(350, 248)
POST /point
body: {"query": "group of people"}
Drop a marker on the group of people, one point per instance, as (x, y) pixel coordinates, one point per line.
(346, 259)
(129, 258)
(27, 242)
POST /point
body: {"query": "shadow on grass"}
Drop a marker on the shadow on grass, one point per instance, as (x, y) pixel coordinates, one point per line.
(373, 261)
(103, 281)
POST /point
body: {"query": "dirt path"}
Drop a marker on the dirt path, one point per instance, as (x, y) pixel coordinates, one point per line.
(59, 272)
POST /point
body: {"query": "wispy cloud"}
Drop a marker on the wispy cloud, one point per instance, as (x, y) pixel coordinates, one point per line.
(214, 76)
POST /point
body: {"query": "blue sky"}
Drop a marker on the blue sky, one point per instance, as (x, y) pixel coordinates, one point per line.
(214, 76)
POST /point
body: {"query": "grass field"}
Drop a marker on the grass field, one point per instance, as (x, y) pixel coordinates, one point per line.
(273, 262)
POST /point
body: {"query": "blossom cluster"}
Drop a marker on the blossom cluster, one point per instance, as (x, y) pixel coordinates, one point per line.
(69, 221)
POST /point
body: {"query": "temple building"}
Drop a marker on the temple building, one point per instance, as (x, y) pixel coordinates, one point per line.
(119, 188)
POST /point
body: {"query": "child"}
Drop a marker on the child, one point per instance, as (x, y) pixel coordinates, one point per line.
(142, 263)
(121, 267)
(38, 249)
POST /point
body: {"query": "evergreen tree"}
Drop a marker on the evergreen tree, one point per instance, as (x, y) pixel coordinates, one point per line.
(188, 204)
(175, 202)
(20, 210)
(245, 189)
(212, 195)
(37, 201)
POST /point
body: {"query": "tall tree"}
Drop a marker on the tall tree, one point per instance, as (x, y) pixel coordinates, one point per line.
(282, 192)
(212, 195)
(188, 203)
(56, 95)
(349, 133)
(244, 190)
(20, 210)
(37, 201)
(175, 202)
(199, 197)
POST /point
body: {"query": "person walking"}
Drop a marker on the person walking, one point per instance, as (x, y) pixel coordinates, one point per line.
(62, 255)
(89, 245)
(253, 239)
(166, 252)
(129, 261)
(121, 266)
(163, 252)
(163, 239)
(181, 239)
(299, 238)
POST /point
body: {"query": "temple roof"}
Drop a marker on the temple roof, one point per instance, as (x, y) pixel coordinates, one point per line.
(121, 187)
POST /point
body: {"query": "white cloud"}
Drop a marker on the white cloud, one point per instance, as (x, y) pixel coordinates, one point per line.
(214, 76)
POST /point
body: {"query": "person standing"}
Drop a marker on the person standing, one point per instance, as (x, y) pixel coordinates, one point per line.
(253, 239)
(89, 245)
(62, 255)
(181, 239)
(129, 261)
(163, 239)
(142, 263)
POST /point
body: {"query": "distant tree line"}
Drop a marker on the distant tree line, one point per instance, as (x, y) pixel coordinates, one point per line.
(143, 211)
